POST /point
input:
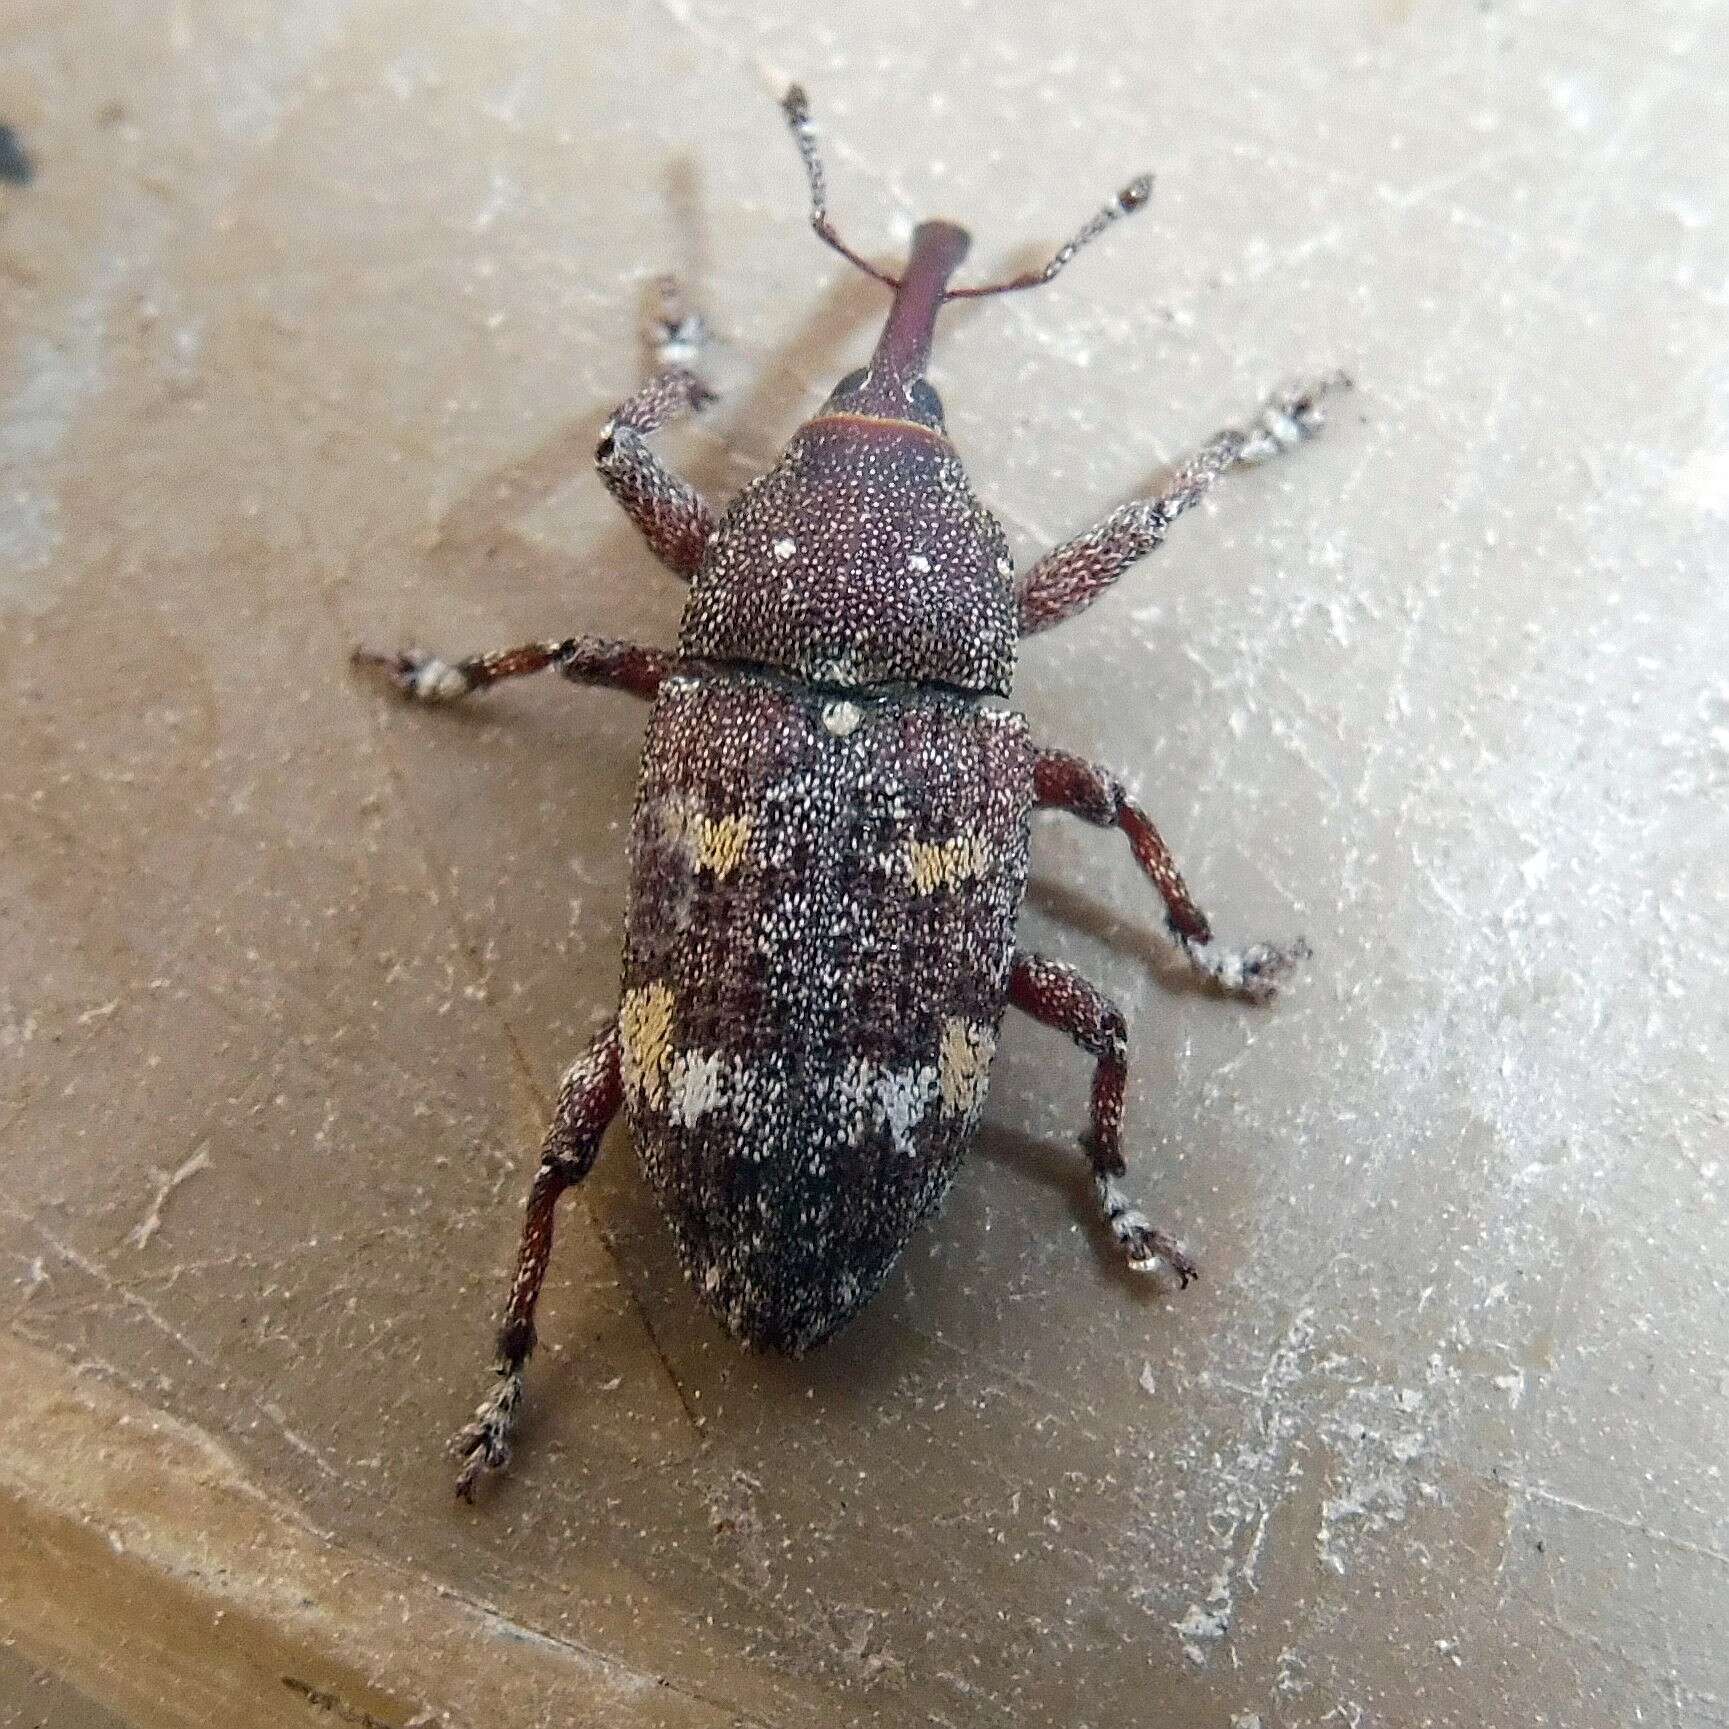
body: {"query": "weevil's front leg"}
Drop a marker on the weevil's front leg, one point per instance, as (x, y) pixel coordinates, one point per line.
(674, 518)
(582, 659)
(588, 1099)
(1070, 578)
(1083, 789)
(1058, 996)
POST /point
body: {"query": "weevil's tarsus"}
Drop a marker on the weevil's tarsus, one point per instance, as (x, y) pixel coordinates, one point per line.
(1253, 973)
(1068, 579)
(588, 1099)
(677, 332)
(483, 1443)
(1145, 1248)
(429, 678)
(1059, 997)
(796, 106)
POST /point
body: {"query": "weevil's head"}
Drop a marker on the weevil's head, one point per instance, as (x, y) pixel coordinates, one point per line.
(863, 558)
(887, 396)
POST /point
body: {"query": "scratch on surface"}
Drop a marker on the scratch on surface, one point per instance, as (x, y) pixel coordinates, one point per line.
(95, 1271)
(166, 1183)
(1622, 1521)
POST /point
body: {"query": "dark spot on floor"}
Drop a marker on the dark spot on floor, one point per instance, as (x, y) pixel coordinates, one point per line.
(15, 163)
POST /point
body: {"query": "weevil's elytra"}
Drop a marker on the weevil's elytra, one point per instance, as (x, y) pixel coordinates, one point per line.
(806, 1035)
(831, 835)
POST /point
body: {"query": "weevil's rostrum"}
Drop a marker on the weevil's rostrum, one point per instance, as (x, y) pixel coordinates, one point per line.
(831, 835)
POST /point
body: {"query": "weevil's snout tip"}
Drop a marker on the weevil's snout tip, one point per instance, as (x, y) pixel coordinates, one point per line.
(945, 243)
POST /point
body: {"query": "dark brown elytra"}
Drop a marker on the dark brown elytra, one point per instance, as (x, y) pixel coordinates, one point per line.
(831, 834)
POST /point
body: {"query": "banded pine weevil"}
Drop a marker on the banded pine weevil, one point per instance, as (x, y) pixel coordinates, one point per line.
(830, 842)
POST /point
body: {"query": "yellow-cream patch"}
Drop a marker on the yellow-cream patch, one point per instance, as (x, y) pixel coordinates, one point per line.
(963, 1066)
(714, 843)
(717, 843)
(946, 864)
(645, 1034)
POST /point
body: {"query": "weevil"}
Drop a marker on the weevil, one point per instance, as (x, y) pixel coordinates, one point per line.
(830, 842)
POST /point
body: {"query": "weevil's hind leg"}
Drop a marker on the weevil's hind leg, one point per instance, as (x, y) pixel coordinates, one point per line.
(588, 1100)
(1059, 997)
(673, 517)
(1070, 578)
(429, 678)
(1095, 795)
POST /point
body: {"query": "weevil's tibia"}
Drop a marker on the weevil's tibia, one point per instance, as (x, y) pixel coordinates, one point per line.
(588, 1100)
(1095, 795)
(1061, 998)
(796, 106)
(1070, 578)
(672, 516)
(428, 678)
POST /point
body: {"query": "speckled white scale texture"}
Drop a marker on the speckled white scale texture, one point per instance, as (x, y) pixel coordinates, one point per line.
(862, 558)
(808, 1023)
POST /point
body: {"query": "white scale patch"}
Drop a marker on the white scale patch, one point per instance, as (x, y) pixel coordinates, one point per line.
(695, 1086)
(869, 1096)
(896, 1099)
(842, 718)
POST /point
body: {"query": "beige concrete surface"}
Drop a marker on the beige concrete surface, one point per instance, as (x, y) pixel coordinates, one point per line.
(311, 314)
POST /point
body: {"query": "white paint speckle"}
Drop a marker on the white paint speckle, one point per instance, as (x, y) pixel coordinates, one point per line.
(785, 548)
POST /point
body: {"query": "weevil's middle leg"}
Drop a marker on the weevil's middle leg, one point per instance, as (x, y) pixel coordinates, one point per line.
(1095, 795)
(588, 1100)
(423, 677)
(1059, 997)
(1070, 578)
(673, 517)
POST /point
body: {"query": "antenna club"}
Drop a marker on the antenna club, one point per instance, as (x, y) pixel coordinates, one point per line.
(1135, 195)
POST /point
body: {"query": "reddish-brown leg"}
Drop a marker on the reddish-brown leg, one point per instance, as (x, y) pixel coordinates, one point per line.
(1060, 997)
(582, 659)
(1070, 578)
(588, 1100)
(1095, 795)
(674, 518)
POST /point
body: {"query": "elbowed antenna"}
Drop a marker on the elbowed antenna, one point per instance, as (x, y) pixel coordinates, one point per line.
(796, 106)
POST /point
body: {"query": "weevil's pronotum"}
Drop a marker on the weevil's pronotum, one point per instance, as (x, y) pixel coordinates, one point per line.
(830, 841)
